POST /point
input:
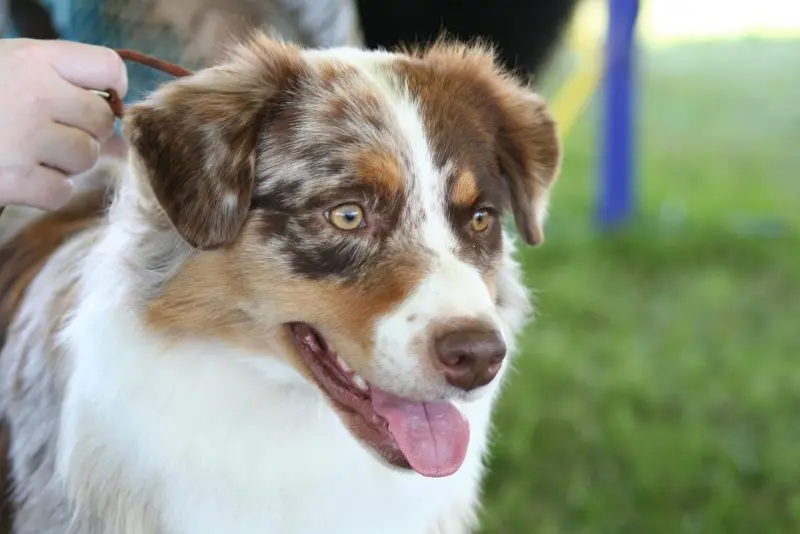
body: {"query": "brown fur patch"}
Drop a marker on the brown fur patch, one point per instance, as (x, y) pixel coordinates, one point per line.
(332, 72)
(24, 256)
(380, 169)
(201, 298)
(464, 191)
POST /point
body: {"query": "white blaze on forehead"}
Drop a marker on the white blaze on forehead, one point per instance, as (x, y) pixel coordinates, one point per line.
(428, 190)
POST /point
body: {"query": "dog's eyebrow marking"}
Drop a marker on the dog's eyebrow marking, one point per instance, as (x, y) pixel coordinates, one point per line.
(380, 169)
(465, 191)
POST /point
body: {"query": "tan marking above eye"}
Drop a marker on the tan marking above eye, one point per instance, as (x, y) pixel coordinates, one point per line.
(481, 220)
(347, 217)
(380, 169)
(465, 189)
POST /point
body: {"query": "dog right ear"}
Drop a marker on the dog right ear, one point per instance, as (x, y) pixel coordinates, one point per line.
(196, 139)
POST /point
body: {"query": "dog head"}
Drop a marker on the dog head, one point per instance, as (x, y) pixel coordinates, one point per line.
(351, 202)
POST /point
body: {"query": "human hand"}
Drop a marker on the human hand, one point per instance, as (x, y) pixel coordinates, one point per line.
(51, 126)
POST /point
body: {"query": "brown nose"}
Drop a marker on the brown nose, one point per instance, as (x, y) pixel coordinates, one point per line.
(470, 358)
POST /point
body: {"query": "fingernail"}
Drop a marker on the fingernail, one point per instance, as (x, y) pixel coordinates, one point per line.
(65, 193)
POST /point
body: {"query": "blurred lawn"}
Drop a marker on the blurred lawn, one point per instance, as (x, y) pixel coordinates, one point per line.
(659, 390)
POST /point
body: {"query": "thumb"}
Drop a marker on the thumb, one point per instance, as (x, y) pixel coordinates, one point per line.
(87, 66)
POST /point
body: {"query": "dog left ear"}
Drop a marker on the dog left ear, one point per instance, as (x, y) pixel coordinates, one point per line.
(196, 139)
(529, 156)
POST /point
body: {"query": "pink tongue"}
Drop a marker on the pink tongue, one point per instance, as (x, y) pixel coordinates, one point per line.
(433, 436)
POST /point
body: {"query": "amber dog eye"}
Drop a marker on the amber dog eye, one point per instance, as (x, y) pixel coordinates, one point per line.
(347, 217)
(480, 220)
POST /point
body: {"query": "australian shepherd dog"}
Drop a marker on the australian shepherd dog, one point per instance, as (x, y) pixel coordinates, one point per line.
(292, 308)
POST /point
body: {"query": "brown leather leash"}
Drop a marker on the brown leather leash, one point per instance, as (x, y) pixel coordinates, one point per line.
(111, 96)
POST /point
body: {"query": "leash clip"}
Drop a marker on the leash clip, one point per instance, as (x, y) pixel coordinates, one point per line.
(114, 101)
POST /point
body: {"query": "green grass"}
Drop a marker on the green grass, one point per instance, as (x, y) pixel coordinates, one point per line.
(659, 390)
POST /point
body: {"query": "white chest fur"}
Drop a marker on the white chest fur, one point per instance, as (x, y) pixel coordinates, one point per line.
(215, 441)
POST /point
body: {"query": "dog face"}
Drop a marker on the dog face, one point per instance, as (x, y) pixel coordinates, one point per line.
(351, 202)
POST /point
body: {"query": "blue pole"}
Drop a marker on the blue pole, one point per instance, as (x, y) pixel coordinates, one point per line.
(617, 134)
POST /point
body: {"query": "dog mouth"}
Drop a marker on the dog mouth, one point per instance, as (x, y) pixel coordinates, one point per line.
(429, 437)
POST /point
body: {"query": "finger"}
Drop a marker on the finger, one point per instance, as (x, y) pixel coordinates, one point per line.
(82, 109)
(67, 149)
(40, 187)
(87, 66)
(114, 147)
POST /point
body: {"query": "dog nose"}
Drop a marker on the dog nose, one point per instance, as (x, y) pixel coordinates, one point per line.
(470, 358)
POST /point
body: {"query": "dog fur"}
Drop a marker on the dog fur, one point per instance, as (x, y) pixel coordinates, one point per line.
(148, 381)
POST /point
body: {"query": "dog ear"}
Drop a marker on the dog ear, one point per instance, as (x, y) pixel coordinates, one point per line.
(527, 145)
(529, 156)
(196, 139)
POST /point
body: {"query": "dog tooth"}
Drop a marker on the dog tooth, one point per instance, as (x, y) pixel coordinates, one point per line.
(360, 383)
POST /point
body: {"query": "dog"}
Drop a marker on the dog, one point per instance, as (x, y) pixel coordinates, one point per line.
(293, 307)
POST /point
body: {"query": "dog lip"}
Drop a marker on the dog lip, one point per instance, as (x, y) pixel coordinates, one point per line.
(342, 387)
(338, 381)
